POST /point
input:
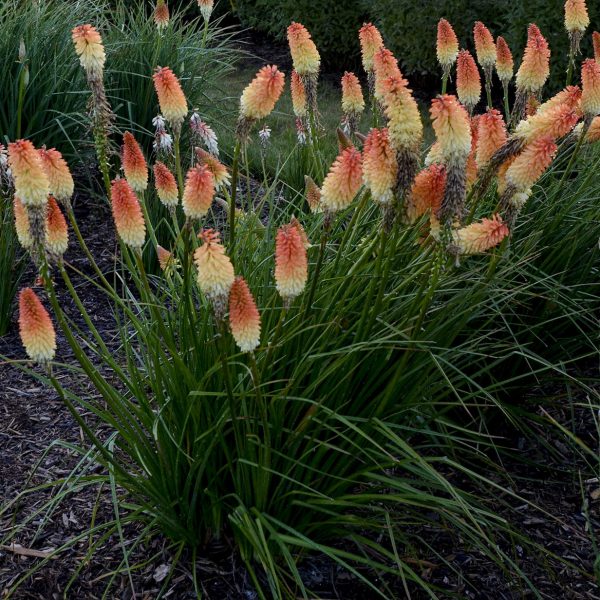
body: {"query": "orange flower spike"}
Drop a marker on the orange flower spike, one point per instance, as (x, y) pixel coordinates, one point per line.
(206, 8)
(260, 96)
(468, 80)
(535, 66)
(343, 182)
(244, 318)
(479, 237)
(166, 186)
(380, 167)
(305, 241)
(576, 17)
(299, 101)
(313, 195)
(385, 66)
(161, 15)
(215, 166)
(305, 55)
(590, 88)
(57, 234)
(164, 257)
(36, 328)
(447, 45)
(405, 125)
(291, 263)
(370, 42)
(171, 98)
(31, 182)
(452, 128)
(199, 192)
(596, 45)
(22, 225)
(57, 171)
(427, 192)
(530, 165)
(89, 48)
(352, 96)
(485, 48)
(555, 121)
(215, 271)
(127, 214)
(492, 136)
(504, 61)
(134, 163)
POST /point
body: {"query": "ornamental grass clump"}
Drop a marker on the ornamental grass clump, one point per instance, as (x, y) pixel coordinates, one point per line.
(284, 399)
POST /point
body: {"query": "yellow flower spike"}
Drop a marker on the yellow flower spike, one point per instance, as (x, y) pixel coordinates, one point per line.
(305, 55)
(30, 179)
(353, 103)
(447, 45)
(405, 125)
(343, 182)
(199, 192)
(59, 176)
(576, 22)
(590, 89)
(22, 226)
(380, 167)
(166, 186)
(491, 136)
(244, 318)
(57, 234)
(89, 48)
(134, 163)
(127, 214)
(468, 80)
(370, 42)
(171, 98)
(36, 328)
(291, 262)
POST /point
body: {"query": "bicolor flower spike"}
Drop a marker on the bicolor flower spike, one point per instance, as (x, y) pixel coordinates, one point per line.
(535, 66)
(479, 237)
(590, 88)
(165, 258)
(206, 8)
(199, 192)
(161, 15)
(504, 61)
(171, 98)
(22, 225)
(89, 48)
(385, 66)
(291, 262)
(166, 186)
(353, 103)
(491, 136)
(216, 167)
(452, 128)
(468, 80)
(59, 176)
(127, 214)
(447, 45)
(380, 167)
(343, 182)
(299, 101)
(427, 192)
(576, 21)
(405, 125)
(36, 328)
(485, 48)
(57, 234)
(134, 163)
(531, 164)
(305, 55)
(244, 318)
(215, 271)
(30, 179)
(370, 42)
(312, 193)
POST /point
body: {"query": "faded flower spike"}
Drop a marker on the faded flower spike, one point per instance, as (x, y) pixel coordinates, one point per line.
(291, 262)
(216, 167)
(134, 163)
(343, 182)
(504, 61)
(447, 46)
(199, 192)
(36, 328)
(165, 258)
(30, 179)
(468, 80)
(57, 234)
(353, 103)
(312, 194)
(380, 167)
(215, 271)
(89, 48)
(171, 98)
(161, 15)
(491, 136)
(127, 214)
(166, 186)
(259, 98)
(479, 237)
(22, 225)
(205, 133)
(244, 318)
(590, 89)
(576, 22)
(163, 141)
(206, 8)
(59, 176)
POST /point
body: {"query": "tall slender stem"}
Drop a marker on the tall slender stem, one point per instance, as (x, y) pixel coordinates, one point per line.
(234, 180)
(313, 287)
